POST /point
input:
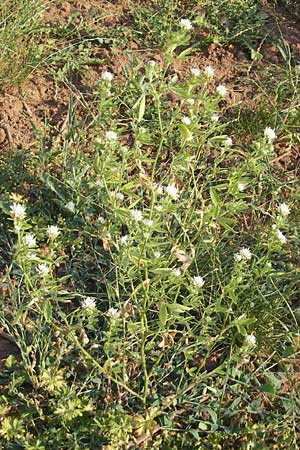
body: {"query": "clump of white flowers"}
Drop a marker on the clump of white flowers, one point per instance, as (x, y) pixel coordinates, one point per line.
(243, 254)
(228, 141)
(52, 231)
(186, 24)
(186, 120)
(209, 72)
(281, 237)
(18, 211)
(172, 191)
(136, 215)
(221, 90)
(43, 269)
(124, 239)
(195, 71)
(107, 76)
(241, 187)
(270, 134)
(198, 282)
(284, 209)
(29, 240)
(215, 117)
(88, 303)
(110, 135)
(113, 313)
(250, 339)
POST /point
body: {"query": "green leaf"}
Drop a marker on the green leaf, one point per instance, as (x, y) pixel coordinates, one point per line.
(269, 388)
(214, 197)
(47, 310)
(163, 315)
(142, 107)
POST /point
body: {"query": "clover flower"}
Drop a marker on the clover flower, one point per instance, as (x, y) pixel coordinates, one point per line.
(42, 269)
(250, 339)
(284, 209)
(198, 282)
(124, 239)
(281, 237)
(215, 118)
(244, 253)
(209, 71)
(172, 191)
(110, 136)
(113, 313)
(186, 120)
(241, 187)
(29, 240)
(107, 76)
(136, 215)
(186, 23)
(228, 141)
(88, 303)
(148, 222)
(18, 211)
(270, 134)
(221, 90)
(195, 71)
(52, 231)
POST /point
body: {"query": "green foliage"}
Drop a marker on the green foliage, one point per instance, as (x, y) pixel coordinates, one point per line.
(162, 311)
(20, 47)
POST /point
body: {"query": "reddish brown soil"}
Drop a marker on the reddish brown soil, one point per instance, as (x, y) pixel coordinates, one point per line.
(41, 103)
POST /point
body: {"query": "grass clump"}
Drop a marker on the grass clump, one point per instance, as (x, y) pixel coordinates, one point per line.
(20, 32)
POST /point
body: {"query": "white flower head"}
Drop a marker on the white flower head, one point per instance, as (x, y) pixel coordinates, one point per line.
(228, 141)
(159, 208)
(186, 120)
(52, 231)
(250, 339)
(238, 257)
(31, 256)
(113, 313)
(107, 76)
(284, 209)
(198, 282)
(70, 206)
(43, 269)
(270, 134)
(124, 239)
(209, 71)
(281, 237)
(172, 191)
(157, 254)
(151, 63)
(190, 101)
(18, 211)
(148, 222)
(88, 303)
(195, 71)
(111, 136)
(176, 272)
(241, 187)
(245, 253)
(186, 23)
(29, 240)
(215, 118)
(136, 214)
(119, 196)
(157, 189)
(221, 90)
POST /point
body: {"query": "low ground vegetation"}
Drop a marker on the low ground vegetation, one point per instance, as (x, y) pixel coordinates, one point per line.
(149, 243)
